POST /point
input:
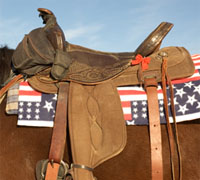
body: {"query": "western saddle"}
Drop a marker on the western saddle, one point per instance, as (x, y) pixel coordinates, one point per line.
(88, 101)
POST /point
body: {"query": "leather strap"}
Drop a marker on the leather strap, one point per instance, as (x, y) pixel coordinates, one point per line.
(154, 128)
(10, 84)
(172, 139)
(59, 133)
(52, 171)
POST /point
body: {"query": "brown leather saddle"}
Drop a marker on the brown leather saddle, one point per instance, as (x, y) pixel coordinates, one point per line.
(86, 82)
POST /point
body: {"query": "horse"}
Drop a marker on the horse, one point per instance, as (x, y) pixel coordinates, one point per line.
(5, 63)
(22, 147)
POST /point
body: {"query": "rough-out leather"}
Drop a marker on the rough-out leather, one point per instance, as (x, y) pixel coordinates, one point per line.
(96, 125)
(178, 58)
(34, 53)
(61, 64)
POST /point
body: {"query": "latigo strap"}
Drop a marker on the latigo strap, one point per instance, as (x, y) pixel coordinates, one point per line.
(155, 129)
(59, 133)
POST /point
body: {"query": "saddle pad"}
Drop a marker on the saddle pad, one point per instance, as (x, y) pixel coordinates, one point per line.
(12, 100)
(133, 99)
(35, 108)
(186, 94)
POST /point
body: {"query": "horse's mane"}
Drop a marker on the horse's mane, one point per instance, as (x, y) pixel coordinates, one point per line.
(5, 63)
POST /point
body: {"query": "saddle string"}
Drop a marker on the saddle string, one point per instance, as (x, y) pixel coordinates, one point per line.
(175, 125)
(171, 135)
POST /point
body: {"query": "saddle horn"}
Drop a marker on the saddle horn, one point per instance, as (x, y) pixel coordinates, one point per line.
(53, 31)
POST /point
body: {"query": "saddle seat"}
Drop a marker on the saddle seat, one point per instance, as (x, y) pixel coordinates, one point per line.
(90, 69)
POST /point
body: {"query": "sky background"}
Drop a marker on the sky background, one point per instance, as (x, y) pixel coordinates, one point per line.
(106, 25)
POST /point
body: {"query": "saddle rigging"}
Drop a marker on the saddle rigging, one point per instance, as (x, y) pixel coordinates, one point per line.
(86, 79)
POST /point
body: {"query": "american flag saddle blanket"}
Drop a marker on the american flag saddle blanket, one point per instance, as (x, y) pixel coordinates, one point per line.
(38, 109)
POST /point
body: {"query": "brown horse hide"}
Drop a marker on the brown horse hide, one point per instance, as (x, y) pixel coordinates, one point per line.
(22, 147)
(5, 63)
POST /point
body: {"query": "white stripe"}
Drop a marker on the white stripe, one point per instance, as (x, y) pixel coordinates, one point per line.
(26, 88)
(188, 117)
(137, 97)
(137, 88)
(194, 75)
(130, 88)
(196, 61)
(30, 98)
(195, 56)
(35, 123)
(126, 110)
(197, 67)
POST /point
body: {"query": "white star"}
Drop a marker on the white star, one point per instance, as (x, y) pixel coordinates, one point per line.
(21, 103)
(135, 103)
(144, 115)
(189, 84)
(55, 97)
(135, 116)
(183, 108)
(21, 110)
(161, 102)
(162, 114)
(37, 116)
(144, 109)
(20, 116)
(175, 101)
(130, 122)
(169, 101)
(198, 107)
(48, 106)
(29, 104)
(37, 104)
(161, 108)
(28, 110)
(144, 103)
(197, 89)
(180, 92)
(37, 111)
(28, 116)
(135, 110)
(191, 100)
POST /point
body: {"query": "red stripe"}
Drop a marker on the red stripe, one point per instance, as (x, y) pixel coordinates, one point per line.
(24, 83)
(126, 103)
(127, 117)
(197, 64)
(195, 55)
(130, 92)
(185, 80)
(196, 71)
(29, 93)
(196, 59)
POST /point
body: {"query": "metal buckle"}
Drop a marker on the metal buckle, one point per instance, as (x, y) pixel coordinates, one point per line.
(63, 169)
